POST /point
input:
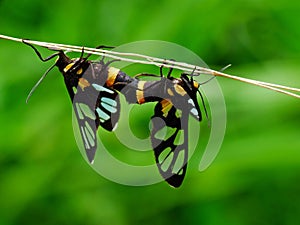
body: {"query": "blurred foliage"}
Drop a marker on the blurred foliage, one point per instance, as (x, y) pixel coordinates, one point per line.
(255, 178)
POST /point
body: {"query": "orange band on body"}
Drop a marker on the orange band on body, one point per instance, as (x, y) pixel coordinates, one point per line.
(112, 75)
(140, 92)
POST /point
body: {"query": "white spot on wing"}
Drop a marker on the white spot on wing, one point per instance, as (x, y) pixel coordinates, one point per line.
(109, 101)
(84, 139)
(194, 111)
(86, 111)
(115, 127)
(80, 115)
(101, 88)
(191, 102)
(102, 114)
(109, 107)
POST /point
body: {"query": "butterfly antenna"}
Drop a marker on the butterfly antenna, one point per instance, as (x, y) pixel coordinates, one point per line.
(39, 54)
(98, 47)
(44, 60)
(204, 107)
(225, 67)
(192, 76)
(38, 83)
(204, 82)
(201, 96)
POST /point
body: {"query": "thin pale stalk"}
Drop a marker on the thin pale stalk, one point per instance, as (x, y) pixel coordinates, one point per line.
(144, 59)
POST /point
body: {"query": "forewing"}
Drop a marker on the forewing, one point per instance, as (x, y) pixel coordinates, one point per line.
(169, 138)
(95, 106)
(87, 123)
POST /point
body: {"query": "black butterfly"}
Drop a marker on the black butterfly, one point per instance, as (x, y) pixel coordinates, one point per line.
(177, 99)
(94, 89)
(89, 85)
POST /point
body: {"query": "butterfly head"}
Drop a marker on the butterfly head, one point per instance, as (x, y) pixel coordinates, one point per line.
(189, 84)
(72, 67)
(63, 61)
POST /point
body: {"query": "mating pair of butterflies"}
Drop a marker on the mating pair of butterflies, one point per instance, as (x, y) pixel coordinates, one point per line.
(94, 88)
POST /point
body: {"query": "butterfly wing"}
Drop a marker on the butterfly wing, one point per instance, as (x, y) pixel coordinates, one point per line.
(95, 106)
(107, 108)
(86, 119)
(169, 138)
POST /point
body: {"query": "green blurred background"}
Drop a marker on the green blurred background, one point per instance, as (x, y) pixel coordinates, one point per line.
(254, 180)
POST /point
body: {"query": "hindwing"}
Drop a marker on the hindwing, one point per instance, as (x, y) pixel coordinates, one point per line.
(169, 138)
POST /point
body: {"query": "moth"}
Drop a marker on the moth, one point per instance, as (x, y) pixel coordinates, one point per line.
(94, 88)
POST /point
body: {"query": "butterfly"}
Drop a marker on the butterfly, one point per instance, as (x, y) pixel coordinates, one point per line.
(94, 88)
(89, 85)
(176, 100)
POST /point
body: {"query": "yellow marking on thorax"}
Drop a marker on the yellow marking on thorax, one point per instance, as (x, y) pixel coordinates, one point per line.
(112, 75)
(83, 83)
(140, 92)
(179, 90)
(196, 84)
(68, 67)
(79, 71)
(166, 105)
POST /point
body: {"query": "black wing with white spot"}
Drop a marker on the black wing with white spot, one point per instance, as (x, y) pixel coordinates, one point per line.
(107, 107)
(169, 138)
(95, 106)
